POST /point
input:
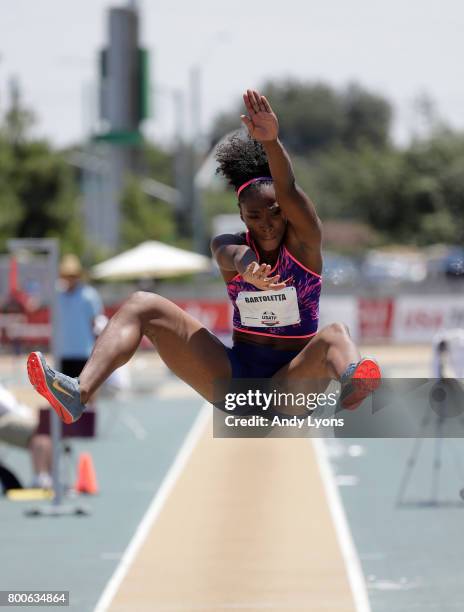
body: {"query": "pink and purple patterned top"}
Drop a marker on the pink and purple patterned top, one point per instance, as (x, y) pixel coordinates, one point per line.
(308, 289)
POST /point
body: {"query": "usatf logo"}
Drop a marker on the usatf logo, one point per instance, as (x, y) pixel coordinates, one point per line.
(269, 318)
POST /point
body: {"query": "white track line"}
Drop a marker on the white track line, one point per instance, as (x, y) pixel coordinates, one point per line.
(154, 509)
(352, 563)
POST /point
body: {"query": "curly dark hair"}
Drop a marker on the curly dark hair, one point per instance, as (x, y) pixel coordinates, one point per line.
(241, 159)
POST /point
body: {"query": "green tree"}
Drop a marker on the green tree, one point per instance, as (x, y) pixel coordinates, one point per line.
(10, 207)
(413, 196)
(39, 191)
(158, 163)
(311, 116)
(316, 116)
(144, 218)
(358, 185)
(436, 186)
(46, 188)
(367, 118)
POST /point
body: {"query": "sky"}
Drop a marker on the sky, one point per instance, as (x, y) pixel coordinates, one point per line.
(399, 49)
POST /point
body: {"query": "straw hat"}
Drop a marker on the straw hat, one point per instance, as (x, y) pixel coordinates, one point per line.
(70, 266)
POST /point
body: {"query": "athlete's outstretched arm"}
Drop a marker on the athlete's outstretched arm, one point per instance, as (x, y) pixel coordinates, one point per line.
(263, 126)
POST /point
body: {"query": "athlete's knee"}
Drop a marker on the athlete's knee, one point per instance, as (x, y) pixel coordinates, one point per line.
(335, 331)
(142, 302)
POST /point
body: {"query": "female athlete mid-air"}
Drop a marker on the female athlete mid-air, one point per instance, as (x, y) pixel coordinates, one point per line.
(273, 278)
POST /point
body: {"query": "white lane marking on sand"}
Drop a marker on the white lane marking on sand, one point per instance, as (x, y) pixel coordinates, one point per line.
(350, 556)
(154, 509)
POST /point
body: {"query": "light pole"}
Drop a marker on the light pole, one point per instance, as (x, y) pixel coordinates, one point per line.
(197, 215)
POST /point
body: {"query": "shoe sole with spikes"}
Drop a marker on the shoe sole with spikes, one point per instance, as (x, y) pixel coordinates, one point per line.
(365, 379)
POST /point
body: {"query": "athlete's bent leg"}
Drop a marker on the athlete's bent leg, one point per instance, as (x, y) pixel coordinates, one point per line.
(326, 356)
(330, 354)
(187, 347)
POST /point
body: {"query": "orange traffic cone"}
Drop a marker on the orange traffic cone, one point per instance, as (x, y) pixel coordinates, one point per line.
(86, 477)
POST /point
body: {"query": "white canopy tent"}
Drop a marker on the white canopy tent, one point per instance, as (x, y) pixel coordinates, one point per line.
(151, 259)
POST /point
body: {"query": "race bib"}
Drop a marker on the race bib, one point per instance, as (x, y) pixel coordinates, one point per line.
(268, 308)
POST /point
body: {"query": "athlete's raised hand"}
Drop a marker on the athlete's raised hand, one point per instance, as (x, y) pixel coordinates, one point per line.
(261, 121)
(257, 275)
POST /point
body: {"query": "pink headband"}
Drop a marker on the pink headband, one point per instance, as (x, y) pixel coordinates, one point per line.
(250, 182)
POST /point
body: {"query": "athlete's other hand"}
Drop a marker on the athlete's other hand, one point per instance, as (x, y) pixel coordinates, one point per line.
(257, 275)
(261, 121)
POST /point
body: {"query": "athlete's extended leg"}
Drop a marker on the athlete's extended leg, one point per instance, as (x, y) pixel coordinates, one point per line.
(331, 354)
(184, 344)
(188, 349)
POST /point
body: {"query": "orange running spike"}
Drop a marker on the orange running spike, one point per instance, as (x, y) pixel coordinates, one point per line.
(365, 380)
